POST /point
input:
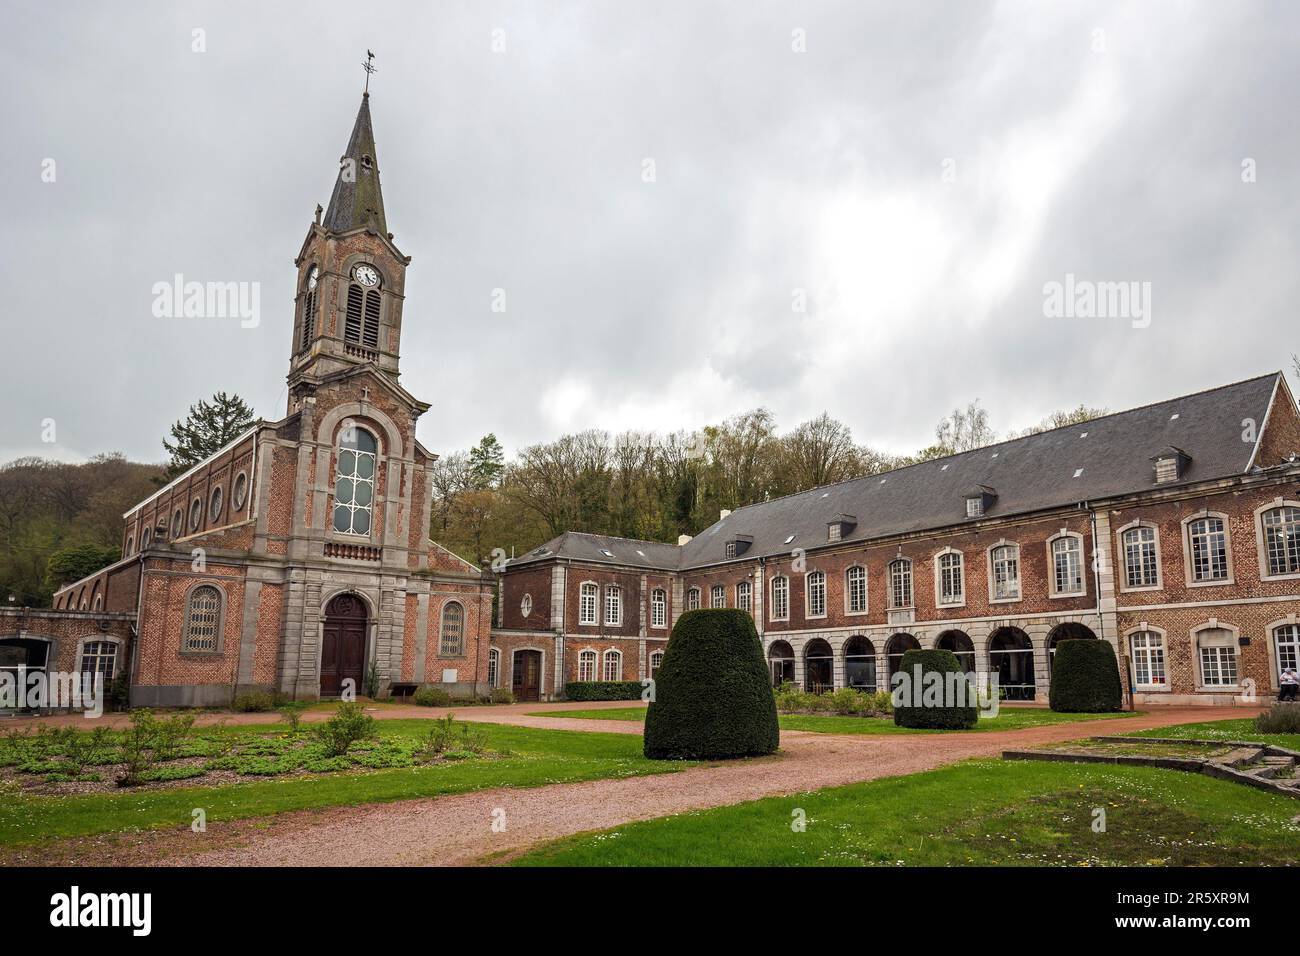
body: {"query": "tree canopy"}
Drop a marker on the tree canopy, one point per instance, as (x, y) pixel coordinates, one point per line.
(208, 428)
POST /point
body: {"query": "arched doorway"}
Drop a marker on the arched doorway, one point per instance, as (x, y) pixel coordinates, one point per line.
(895, 648)
(780, 658)
(343, 646)
(961, 645)
(1070, 631)
(1011, 657)
(818, 666)
(22, 657)
(860, 664)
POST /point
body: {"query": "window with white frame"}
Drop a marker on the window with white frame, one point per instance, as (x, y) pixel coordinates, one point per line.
(587, 666)
(1140, 567)
(354, 481)
(1282, 540)
(99, 657)
(855, 589)
(1148, 649)
(613, 665)
(613, 605)
(1217, 651)
(1286, 642)
(815, 594)
(730, 549)
(952, 578)
(453, 629)
(202, 620)
(1005, 562)
(656, 662)
(718, 596)
(658, 608)
(587, 598)
(494, 666)
(780, 598)
(693, 599)
(900, 583)
(1067, 565)
(745, 596)
(1208, 542)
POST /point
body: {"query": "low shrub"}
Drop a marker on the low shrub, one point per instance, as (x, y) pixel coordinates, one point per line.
(1085, 678)
(348, 725)
(253, 702)
(924, 707)
(427, 696)
(846, 702)
(291, 712)
(603, 690)
(502, 695)
(1280, 719)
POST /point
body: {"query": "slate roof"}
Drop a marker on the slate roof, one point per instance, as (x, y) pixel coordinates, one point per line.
(357, 200)
(1103, 458)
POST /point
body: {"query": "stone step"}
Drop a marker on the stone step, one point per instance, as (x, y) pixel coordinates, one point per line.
(1240, 757)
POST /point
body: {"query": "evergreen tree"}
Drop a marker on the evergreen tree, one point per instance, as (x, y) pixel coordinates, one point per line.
(209, 427)
(487, 460)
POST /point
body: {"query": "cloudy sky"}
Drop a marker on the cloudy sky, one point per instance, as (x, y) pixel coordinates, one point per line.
(693, 208)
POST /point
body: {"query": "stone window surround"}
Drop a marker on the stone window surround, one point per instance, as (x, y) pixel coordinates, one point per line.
(659, 599)
(988, 561)
(1270, 632)
(901, 561)
(101, 638)
(1122, 578)
(494, 668)
(1144, 628)
(221, 620)
(614, 600)
(1051, 566)
(1214, 624)
(1261, 549)
(749, 595)
(807, 595)
(464, 630)
(614, 655)
(1185, 534)
(583, 592)
(939, 602)
(595, 660)
(771, 607)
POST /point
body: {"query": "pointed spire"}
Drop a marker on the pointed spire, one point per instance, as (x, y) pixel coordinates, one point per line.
(357, 200)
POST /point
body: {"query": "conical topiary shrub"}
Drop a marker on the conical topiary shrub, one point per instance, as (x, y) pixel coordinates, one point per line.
(713, 696)
(1085, 678)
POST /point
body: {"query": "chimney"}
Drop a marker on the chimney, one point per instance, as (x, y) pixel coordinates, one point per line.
(682, 539)
(723, 513)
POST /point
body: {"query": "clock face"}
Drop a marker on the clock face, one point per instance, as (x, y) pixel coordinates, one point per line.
(313, 277)
(366, 275)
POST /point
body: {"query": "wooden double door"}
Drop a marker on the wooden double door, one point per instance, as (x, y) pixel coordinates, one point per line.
(343, 646)
(526, 675)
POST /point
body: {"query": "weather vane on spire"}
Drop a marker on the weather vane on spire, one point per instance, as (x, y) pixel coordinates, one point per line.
(369, 67)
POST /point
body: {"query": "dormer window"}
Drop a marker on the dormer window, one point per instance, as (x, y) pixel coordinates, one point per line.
(1170, 465)
(737, 545)
(840, 527)
(978, 501)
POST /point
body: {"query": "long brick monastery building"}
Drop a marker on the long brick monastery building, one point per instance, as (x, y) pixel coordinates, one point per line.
(298, 557)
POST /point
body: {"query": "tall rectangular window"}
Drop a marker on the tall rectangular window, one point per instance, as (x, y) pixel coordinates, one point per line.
(745, 596)
(1067, 565)
(613, 606)
(1006, 572)
(900, 583)
(1209, 545)
(1148, 659)
(815, 592)
(1282, 540)
(587, 604)
(952, 586)
(855, 586)
(718, 596)
(658, 608)
(780, 598)
(1140, 569)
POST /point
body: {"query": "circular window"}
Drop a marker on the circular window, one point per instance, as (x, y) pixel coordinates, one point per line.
(214, 506)
(240, 493)
(196, 514)
(526, 605)
(178, 524)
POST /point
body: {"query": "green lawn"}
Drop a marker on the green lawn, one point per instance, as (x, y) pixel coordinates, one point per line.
(1008, 718)
(535, 757)
(976, 813)
(1239, 729)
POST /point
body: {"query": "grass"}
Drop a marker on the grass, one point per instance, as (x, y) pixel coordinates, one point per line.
(1239, 729)
(533, 758)
(976, 813)
(1008, 718)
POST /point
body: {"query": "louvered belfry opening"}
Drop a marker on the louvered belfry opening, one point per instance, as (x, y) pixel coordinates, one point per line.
(352, 330)
(308, 317)
(371, 330)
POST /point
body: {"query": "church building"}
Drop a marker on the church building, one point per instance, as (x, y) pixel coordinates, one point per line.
(298, 557)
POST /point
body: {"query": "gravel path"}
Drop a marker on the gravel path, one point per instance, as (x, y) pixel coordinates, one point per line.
(459, 829)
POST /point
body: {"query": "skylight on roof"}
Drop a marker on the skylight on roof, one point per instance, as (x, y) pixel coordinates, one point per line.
(640, 552)
(1078, 472)
(1084, 435)
(1173, 417)
(994, 455)
(789, 539)
(944, 468)
(826, 494)
(606, 552)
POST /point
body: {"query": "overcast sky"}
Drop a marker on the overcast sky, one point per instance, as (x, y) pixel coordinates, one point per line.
(917, 172)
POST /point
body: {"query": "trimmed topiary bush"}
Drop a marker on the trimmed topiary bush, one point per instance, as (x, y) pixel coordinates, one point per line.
(934, 703)
(603, 690)
(1085, 678)
(713, 694)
